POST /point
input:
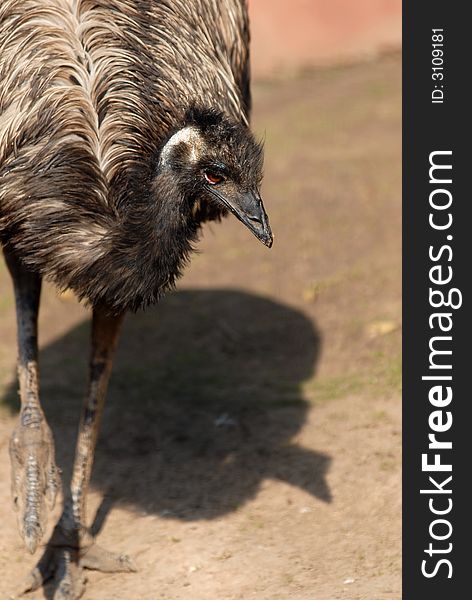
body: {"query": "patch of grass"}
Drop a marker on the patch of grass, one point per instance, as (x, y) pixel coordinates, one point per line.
(333, 388)
(225, 555)
(380, 416)
(381, 375)
(288, 578)
(388, 465)
(387, 371)
(316, 288)
(175, 540)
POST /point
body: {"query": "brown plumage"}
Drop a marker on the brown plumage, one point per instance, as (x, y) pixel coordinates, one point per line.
(123, 127)
(89, 93)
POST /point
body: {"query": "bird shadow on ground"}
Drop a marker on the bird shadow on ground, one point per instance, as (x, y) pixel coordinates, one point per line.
(204, 403)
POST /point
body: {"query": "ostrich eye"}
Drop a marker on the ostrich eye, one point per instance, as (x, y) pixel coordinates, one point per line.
(213, 178)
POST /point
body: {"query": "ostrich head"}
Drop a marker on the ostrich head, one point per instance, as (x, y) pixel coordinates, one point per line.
(217, 163)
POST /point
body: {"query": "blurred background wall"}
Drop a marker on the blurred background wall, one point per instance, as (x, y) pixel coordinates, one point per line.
(289, 35)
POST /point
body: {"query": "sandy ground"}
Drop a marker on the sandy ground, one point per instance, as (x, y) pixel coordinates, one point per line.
(251, 443)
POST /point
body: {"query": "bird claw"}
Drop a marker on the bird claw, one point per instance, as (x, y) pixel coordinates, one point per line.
(35, 479)
(97, 558)
(66, 564)
(63, 566)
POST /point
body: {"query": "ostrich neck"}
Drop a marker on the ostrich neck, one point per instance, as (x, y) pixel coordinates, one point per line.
(146, 249)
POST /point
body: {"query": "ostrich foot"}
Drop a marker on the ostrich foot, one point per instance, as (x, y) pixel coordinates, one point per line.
(64, 560)
(34, 476)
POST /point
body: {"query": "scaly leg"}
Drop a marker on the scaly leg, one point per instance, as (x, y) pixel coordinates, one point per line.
(72, 547)
(35, 477)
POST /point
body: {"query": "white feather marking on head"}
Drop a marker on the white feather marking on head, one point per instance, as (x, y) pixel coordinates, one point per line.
(190, 136)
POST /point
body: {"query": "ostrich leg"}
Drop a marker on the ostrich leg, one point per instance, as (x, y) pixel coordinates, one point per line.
(105, 332)
(72, 547)
(34, 474)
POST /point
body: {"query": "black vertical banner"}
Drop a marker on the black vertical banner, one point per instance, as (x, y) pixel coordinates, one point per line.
(437, 273)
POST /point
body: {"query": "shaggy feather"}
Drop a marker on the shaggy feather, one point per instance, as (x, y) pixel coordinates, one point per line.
(90, 91)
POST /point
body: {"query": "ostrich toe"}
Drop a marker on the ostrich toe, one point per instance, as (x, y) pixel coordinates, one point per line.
(64, 560)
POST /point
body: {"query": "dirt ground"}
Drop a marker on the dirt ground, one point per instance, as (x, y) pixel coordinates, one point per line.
(251, 443)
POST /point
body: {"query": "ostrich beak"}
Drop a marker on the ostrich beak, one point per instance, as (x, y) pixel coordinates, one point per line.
(248, 208)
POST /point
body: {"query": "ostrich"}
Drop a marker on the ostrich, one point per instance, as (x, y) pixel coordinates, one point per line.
(124, 125)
